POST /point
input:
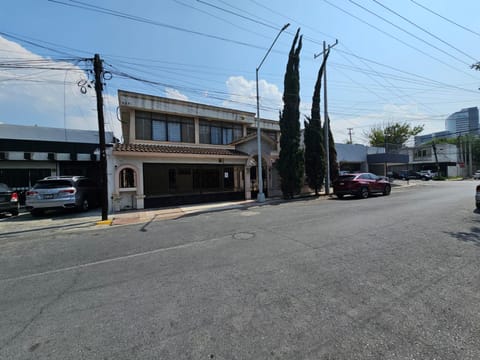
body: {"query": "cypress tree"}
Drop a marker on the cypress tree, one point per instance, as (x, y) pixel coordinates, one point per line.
(290, 162)
(334, 171)
(313, 139)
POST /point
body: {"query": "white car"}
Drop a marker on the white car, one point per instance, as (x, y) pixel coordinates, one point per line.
(476, 176)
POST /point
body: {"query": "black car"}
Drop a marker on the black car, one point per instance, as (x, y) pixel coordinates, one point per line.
(410, 174)
(8, 200)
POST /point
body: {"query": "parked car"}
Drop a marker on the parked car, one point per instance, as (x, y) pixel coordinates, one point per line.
(8, 200)
(410, 174)
(428, 173)
(476, 176)
(361, 185)
(62, 192)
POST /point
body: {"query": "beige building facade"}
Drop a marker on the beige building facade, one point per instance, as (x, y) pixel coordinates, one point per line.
(180, 152)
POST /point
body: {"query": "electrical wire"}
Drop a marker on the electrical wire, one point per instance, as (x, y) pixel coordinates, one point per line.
(445, 18)
(408, 32)
(396, 38)
(424, 30)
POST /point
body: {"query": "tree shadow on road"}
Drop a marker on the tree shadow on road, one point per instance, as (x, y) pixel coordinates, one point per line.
(472, 237)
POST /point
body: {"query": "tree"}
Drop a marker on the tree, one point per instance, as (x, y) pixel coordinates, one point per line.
(332, 154)
(395, 134)
(313, 139)
(290, 162)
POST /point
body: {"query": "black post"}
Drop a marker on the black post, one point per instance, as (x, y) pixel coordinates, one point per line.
(436, 157)
(98, 69)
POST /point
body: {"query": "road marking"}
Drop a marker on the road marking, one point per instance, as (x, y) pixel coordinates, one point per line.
(106, 261)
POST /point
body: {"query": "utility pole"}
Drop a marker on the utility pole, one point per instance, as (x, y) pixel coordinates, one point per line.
(470, 158)
(436, 157)
(326, 122)
(98, 70)
(350, 135)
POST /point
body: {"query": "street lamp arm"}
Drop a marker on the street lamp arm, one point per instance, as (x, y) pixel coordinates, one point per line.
(261, 195)
(271, 46)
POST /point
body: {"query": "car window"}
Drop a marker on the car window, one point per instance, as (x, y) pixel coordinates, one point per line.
(4, 188)
(364, 176)
(346, 177)
(52, 184)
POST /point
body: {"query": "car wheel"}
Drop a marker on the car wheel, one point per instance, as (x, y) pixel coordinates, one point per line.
(85, 205)
(36, 212)
(340, 196)
(14, 212)
(364, 193)
(386, 190)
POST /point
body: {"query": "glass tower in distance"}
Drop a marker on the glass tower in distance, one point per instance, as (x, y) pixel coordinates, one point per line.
(463, 121)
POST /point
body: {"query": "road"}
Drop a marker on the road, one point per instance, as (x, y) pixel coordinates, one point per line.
(394, 277)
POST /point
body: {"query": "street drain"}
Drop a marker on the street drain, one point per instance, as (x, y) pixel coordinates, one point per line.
(243, 236)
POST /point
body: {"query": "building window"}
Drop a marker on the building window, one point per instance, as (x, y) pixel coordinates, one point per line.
(218, 133)
(163, 127)
(127, 178)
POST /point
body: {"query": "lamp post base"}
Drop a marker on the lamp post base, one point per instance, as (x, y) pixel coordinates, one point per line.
(260, 197)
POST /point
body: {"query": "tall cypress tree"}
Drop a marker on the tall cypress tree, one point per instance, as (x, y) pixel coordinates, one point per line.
(313, 139)
(290, 162)
(334, 171)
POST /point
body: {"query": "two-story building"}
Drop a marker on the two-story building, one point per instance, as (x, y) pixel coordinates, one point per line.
(180, 152)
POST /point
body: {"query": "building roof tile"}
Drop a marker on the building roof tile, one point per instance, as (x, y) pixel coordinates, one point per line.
(172, 149)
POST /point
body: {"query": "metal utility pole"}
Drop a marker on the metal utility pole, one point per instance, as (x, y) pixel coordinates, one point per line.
(470, 158)
(261, 195)
(98, 70)
(326, 122)
(350, 135)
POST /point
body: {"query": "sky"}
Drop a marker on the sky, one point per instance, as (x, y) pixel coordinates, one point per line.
(395, 61)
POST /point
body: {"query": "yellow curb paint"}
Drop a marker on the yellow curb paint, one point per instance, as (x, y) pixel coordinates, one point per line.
(104, 222)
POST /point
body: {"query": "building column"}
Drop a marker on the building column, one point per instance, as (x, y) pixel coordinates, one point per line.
(248, 190)
(197, 130)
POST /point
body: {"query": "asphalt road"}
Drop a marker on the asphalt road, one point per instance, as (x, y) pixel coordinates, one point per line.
(394, 277)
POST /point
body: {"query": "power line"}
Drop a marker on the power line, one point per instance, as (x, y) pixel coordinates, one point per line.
(407, 72)
(445, 18)
(396, 38)
(408, 32)
(424, 30)
(98, 9)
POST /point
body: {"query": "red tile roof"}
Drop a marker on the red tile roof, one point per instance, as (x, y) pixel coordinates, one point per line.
(170, 149)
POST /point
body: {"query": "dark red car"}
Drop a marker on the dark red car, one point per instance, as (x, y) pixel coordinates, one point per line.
(361, 185)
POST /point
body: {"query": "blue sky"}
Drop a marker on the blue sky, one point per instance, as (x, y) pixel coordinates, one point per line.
(396, 62)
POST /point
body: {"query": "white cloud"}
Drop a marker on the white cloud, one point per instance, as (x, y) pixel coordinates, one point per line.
(175, 94)
(242, 94)
(44, 97)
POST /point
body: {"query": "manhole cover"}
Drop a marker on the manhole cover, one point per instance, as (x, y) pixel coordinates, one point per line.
(243, 236)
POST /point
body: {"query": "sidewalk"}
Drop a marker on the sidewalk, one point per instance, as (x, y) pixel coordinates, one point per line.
(144, 216)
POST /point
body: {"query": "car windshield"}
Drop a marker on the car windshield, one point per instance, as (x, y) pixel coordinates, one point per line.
(52, 184)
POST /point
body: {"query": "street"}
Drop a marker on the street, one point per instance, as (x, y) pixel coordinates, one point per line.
(389, 277)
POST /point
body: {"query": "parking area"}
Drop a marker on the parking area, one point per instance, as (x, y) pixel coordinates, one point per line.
(55, 220)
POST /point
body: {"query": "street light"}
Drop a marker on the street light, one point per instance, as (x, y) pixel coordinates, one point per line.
(261, 195)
